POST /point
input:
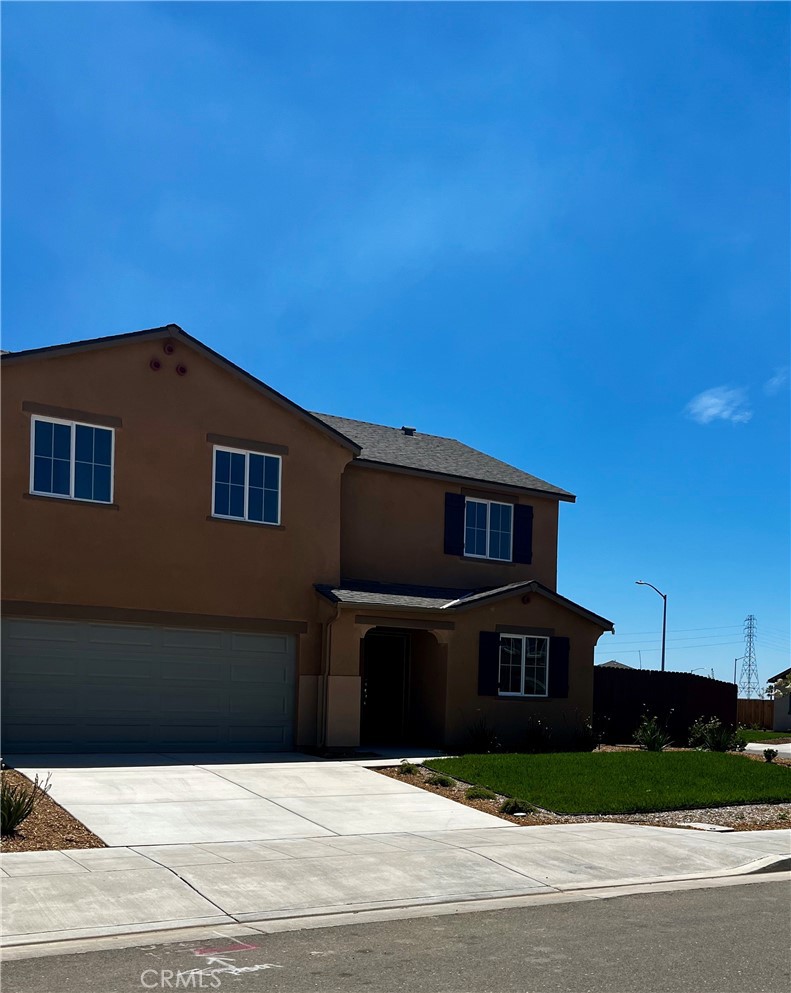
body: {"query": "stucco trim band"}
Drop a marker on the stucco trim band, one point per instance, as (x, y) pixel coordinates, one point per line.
(128, 615)
(67, 414)
(266, 447)
(404, 622)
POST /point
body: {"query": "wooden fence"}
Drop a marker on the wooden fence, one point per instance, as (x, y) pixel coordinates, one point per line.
(622, 696)
(756, 712)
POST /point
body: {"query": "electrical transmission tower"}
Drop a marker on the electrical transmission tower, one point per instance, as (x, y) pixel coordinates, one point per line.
(749, 684)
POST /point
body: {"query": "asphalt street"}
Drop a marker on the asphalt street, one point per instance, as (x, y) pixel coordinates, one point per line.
(732, 939)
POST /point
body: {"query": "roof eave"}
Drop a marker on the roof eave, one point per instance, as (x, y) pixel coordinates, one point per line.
(174, 331)
(532, 586)
(556, 494)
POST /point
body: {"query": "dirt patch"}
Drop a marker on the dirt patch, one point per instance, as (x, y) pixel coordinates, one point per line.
(48, 827)
(744, 817)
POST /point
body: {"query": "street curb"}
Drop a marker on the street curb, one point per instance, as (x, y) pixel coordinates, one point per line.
(327, 917)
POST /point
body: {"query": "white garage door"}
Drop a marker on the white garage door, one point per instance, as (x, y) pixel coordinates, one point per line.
(78, 686)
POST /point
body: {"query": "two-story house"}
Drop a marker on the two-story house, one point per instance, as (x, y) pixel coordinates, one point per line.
(192, 561)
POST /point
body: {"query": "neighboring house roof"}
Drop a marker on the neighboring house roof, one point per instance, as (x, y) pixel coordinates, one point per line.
(174, 331)
(780, 675)
(404, 596)
(409, 449)
(612, 664)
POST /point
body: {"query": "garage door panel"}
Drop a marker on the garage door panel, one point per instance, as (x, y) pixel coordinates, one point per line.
(41, 631)
(85, 686)
(273, 674)
(195, 640)
(121, 635)
(249, 734)
(114, 668)
(269, 644)
(31, 665)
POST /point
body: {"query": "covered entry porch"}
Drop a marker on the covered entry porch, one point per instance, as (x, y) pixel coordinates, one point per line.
(385, 679)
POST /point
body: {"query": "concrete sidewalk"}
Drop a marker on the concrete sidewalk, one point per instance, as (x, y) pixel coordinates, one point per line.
(783, 749)
(51, 896)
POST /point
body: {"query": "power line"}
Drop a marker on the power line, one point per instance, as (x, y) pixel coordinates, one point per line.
(675, 648)
(721, 627)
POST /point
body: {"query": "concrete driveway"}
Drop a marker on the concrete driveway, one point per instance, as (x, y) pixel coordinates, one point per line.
(217, 840)
(193, 799)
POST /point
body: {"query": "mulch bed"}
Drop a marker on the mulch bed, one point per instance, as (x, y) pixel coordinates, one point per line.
(743, 817)
(48, 827)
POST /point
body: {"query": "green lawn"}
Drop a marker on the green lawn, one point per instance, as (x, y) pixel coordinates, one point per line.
(623, 782)
(765, 735)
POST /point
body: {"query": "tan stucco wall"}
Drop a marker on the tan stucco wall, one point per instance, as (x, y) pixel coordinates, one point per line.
(393, 530)
(448, 672)
(508, 715)
(158, 551)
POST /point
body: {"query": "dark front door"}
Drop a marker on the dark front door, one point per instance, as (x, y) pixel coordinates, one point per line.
(384, 688)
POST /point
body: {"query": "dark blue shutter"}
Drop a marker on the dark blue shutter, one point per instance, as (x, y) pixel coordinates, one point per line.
(488, 663)
(523, 533)
(559, 667)
(454, 523)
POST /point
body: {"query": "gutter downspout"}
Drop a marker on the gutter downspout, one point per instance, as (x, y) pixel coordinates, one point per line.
(321, 730)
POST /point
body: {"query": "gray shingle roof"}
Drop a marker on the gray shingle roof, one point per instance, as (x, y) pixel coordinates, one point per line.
(432, 453)
(392, 595)
(408, 597)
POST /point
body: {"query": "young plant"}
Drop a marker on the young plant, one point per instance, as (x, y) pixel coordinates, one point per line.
(515, 806)
(770, 754)
(481, 739)
(17, 802)
(439, 780)
(407, 769)
(479, 793)
(651, 736)
(712, 735)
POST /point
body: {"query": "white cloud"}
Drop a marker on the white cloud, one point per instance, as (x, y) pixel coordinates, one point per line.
(720, 403)
(777, 382)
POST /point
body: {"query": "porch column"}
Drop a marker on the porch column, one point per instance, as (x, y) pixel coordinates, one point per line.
(344, 683)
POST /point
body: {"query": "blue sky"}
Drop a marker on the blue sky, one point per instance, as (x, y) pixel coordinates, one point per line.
(556, 232)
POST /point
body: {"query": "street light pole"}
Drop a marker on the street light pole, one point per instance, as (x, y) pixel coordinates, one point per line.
(639, 582)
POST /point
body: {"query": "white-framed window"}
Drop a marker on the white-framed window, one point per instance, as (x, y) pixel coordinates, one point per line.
(524, 665)
(246, 486)
(488, 529)
(71, 460)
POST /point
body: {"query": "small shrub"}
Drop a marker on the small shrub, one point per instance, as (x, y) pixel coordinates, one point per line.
(481, 739)
(770, 754)
(536, 737)
(514, 806)
(439, 780)
(480, 793)
(712, 735)
(17, 802)
(407, 769)
(651, 736)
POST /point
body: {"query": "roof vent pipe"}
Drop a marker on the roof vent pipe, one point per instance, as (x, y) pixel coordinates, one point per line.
(408, 431)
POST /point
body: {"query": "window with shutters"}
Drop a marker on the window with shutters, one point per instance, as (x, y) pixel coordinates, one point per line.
(488, 529)
(523, 665)
(246, 486)
(71, 461)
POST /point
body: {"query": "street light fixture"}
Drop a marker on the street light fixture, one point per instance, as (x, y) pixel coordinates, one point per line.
(639, 582)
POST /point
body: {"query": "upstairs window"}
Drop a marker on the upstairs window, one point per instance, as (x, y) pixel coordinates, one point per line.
(72, 461)
(246, 486)
(488, 528)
